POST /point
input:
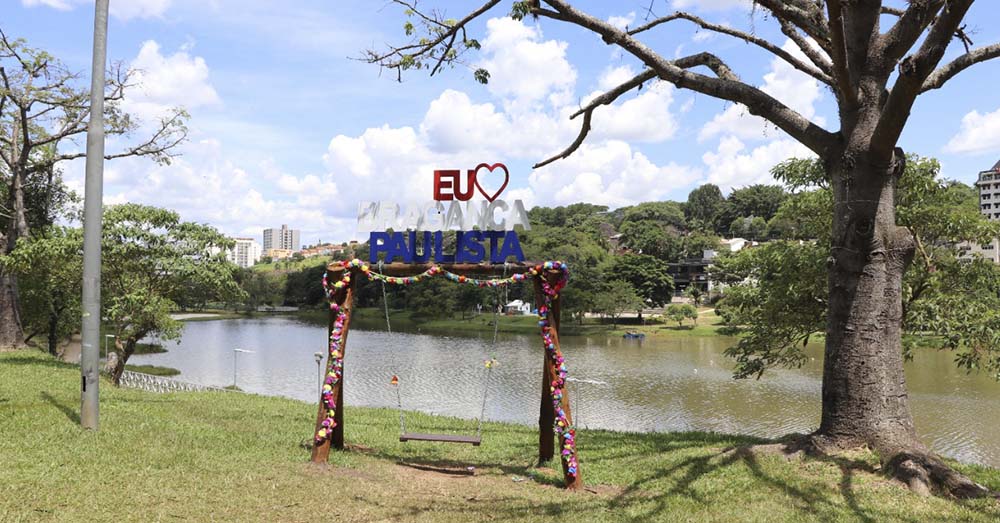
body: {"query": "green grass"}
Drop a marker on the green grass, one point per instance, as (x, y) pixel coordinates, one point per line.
(215, 456)
(154, 370)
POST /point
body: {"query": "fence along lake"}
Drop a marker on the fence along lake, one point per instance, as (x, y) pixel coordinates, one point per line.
(657, 384)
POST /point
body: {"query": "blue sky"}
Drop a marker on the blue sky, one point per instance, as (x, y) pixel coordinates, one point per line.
(287, 128)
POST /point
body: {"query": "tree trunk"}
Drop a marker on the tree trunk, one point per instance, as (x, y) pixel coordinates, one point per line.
(122, 353)
(53, 335)
(865, 402)
(11, 332)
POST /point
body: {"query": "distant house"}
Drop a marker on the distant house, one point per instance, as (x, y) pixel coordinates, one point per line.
(518, 307)
(695, 271)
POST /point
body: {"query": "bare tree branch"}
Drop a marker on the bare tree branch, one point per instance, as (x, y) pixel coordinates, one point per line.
(725, 87)
(746, 37)
(400, 58)
(838, 52)
(913, 71)
(816, 56)
(947, 71)
(911, 24)
(588, 110)
(807, 16)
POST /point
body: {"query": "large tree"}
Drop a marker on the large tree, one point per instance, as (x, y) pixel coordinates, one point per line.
(148, 255)
(876, 76)
(43, 107)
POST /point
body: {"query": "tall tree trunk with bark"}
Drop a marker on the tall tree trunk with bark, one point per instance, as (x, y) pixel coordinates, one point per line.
(865, 400)
(11, 333)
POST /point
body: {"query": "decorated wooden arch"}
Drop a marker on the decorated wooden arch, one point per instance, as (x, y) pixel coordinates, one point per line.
(554, 419)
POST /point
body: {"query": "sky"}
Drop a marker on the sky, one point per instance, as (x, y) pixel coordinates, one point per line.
(288, 127)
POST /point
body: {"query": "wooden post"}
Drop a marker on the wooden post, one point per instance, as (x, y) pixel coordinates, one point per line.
(546, 416)
(344, 299)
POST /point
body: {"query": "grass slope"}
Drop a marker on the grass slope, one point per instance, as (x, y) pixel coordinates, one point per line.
(217, 456)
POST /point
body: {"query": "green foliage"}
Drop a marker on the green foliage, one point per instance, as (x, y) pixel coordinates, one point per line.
(695, 293)
(778, 291)
(646, 274)
(617, 298)
(754, 200)
(647, 237)
(696, 243)
(661, 213)
(750, 227)
(259, 288)
(149, 256)
(50, 267)
(704, 206)
(520, 9)
(682, 311)
(778, 296)
(482, 76)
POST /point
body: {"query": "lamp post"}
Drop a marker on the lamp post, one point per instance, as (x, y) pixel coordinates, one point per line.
(106, 336)
(235, 354)
(92, 210)
(319, 370)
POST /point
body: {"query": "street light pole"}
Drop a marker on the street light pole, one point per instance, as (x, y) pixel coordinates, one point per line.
(92, 209)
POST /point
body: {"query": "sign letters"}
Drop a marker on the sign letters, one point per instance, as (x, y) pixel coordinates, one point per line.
(454, 227)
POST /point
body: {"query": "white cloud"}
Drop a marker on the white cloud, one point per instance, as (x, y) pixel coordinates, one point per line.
(980, 133)
(643, 118)
(611, 174)
(523, 68)
(621, 22)
(163, 82)
(123, 9)
(732, 165)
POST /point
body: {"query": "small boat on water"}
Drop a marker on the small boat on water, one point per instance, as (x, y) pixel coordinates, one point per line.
(633, 335)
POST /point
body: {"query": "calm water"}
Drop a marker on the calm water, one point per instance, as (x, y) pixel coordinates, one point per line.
(653, 385)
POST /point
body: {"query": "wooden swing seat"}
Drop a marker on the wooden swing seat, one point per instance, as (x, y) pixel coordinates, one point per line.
(441, 438)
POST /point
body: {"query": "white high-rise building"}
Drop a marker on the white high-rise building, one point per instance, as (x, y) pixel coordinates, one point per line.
(283, 238)
(988, 184)
(245, 253)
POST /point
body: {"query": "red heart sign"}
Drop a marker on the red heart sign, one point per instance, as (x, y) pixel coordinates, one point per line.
(506, 179)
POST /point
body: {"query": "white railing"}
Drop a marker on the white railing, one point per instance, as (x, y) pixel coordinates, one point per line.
(150, 383)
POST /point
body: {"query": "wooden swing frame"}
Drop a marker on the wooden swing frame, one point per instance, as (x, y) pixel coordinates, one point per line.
(546, 415)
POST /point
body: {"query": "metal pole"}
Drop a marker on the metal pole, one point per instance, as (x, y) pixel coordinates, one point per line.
(92, 209)
(319, 371)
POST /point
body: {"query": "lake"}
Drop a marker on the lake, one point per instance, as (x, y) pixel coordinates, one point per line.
(675, 384)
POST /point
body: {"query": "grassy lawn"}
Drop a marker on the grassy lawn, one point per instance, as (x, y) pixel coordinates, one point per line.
(154, 370)
(217, 456)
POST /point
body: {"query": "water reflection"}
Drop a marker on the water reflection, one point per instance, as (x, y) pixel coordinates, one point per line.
(653, 385)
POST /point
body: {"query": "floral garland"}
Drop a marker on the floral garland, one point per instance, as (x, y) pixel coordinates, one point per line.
(336, 351)
(567, 433)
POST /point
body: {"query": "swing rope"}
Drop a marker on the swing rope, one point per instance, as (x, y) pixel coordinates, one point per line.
(388, 328)
(490, 363)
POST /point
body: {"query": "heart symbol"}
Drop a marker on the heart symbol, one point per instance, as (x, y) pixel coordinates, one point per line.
(506, 179)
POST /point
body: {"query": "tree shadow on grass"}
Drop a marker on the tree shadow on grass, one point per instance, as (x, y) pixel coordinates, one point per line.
(70, 413)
